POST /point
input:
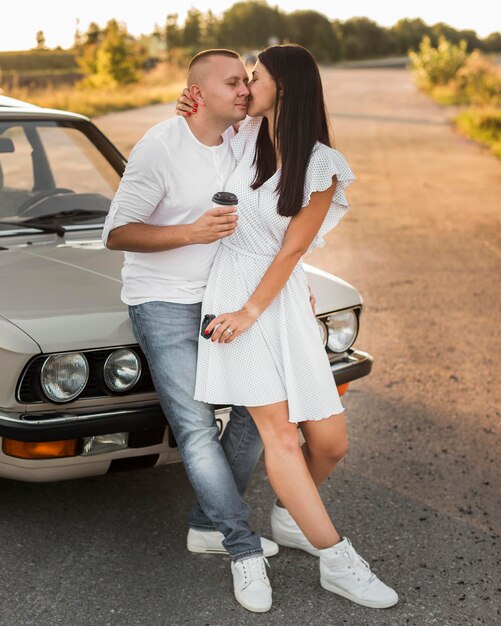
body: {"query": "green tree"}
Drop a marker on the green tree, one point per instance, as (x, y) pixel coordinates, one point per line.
(363, 39)
(493, 42)
(251, 25)
(210, 27)
(407, 34)
(87, 59)
(173, 34)
(117, 59)
(192, 29)
(93, 34)
(314, 31)
(455, 36)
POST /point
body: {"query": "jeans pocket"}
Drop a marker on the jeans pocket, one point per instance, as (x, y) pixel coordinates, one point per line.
(137, 327)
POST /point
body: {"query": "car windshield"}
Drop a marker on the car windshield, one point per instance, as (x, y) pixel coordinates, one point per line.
(53, 171)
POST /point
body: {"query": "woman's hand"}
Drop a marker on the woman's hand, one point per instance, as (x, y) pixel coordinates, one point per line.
(230, 325)
(185, 105)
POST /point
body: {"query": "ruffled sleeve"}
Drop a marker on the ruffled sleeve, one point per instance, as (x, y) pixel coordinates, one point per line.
(246, 136)
(325, 163)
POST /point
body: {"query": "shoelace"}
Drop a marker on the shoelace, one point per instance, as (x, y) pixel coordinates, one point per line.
(254, 569)
(363, 570)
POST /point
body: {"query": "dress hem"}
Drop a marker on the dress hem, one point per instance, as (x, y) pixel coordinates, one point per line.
(249, 405)
(317, 419)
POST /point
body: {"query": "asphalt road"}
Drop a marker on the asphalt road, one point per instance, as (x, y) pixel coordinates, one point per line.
(419, 491)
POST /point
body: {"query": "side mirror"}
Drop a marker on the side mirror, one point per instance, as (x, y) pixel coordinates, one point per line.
(6, 145)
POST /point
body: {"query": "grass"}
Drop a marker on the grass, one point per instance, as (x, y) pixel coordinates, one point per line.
(163, 84)
(483, 125)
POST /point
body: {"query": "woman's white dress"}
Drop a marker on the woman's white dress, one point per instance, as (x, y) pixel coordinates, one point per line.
(281, 356)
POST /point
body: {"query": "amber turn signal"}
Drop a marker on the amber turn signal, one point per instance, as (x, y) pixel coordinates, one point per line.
(342, 389)
(40, 449)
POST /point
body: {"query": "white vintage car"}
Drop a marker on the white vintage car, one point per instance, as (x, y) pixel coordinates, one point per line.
(76, 397)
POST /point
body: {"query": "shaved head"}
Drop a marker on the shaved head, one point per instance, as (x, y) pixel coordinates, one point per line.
(198, 69)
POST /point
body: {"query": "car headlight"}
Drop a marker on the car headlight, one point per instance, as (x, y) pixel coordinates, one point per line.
(323, 331)
(122, 370)
(64, 376)
(343, 330)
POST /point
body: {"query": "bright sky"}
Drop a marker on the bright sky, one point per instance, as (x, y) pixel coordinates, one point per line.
(22, 20)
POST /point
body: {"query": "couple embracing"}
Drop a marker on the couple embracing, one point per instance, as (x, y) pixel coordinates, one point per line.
(266, 140)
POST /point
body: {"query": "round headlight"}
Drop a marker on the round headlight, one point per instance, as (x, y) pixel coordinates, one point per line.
(122, 370)
(343, 330)
(323, 331)
(64, 376)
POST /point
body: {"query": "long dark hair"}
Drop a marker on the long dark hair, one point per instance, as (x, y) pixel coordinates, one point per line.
(300, 122)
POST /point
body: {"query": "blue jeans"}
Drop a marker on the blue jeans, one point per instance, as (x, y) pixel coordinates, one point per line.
(218, 470)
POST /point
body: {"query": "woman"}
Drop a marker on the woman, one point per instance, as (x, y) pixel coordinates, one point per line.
(265, 351)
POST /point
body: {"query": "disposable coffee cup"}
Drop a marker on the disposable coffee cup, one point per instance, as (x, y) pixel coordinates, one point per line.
(225, 198)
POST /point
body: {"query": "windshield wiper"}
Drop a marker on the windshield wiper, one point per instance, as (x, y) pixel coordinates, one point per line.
(69, 215)
(58, 230)
(43, 222)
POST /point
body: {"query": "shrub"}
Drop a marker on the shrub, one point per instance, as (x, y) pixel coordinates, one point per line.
(437, 66)
(478, 81)
(452, 76)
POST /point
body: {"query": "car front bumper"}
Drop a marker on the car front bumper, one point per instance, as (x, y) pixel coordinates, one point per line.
(355, 364)
(51, 426)
(68, 425)
(137, 420)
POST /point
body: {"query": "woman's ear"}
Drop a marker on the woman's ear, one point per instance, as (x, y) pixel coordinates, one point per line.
(280, 88)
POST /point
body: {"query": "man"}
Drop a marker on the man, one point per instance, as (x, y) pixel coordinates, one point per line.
(159, 217)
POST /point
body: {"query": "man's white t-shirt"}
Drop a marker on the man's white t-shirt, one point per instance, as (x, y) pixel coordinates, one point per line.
(170, 179)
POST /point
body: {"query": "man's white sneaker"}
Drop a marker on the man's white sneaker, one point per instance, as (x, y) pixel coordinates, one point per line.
(286, 532)
(251, 584)
(344, 572)
(211, 542)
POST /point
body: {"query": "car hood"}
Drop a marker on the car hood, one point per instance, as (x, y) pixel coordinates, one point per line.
(65, 297)
(331, 292)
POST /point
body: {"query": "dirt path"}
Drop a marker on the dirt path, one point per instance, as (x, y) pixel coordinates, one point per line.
(422, 243)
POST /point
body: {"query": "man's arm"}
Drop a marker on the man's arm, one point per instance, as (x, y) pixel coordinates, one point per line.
(143, 186)
(215, 224)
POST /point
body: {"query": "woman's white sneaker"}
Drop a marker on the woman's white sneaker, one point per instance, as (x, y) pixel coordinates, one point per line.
(251, 584)
(211, 542)
(286, 532)
(344, 572)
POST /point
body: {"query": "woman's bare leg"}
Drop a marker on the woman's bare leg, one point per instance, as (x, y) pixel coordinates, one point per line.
(289, 476)
(326, 443)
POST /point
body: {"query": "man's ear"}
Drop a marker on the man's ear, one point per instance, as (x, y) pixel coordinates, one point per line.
(196, 94)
